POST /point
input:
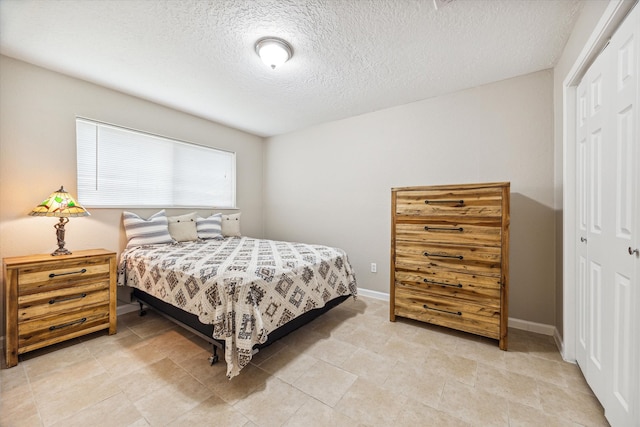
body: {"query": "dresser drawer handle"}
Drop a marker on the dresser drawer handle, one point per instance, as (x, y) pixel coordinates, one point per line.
(427, 228)
(54, 300)
(52, 275)
(455, 313)
(443, 255)
(433, 282)
(64, 325)
(458, 203)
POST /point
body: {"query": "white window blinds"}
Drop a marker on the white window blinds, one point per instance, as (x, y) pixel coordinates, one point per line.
(119, 167)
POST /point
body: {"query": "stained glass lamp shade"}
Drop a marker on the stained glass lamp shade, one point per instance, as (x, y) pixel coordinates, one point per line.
(63, 205)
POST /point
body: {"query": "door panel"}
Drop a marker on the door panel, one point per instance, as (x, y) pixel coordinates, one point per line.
(624, 179)
(595, 319)
(622, 339)
(582, 310)
(595, 184)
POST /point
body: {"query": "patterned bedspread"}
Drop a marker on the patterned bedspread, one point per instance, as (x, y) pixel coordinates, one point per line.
(245, 287)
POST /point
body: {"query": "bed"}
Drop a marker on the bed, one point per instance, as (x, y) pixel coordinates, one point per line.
(240, 292)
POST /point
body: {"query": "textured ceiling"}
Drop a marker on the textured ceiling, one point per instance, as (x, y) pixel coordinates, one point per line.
(350, 56)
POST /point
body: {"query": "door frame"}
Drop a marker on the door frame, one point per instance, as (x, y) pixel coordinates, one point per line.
(613, 15)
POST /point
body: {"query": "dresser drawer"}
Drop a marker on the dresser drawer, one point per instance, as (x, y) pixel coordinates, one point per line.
(481, 289)
(485, 204)
(447, 311)
(48, 330)
(432, 257)
(39, 278)
(456, 233)
(50, 303)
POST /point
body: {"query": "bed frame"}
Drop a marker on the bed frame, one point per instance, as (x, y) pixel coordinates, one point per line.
(191, 323)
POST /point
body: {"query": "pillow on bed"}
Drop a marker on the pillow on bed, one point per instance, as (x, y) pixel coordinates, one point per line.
(210, 227)
(183, 227)
(152, 231)
(231, 225)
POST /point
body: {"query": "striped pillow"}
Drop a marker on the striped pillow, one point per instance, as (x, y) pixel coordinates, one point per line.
(141, 232)
(210, 228)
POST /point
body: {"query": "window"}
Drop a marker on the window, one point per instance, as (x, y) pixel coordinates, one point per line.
(119, 167)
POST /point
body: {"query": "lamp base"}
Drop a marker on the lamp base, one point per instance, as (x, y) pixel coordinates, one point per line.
(61, 251)
(60, 235)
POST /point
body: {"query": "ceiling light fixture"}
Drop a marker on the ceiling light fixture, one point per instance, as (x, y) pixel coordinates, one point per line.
(273, 51)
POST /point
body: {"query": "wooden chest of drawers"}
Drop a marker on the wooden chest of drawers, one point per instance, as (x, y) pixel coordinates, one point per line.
(52, 299)
(450, 257)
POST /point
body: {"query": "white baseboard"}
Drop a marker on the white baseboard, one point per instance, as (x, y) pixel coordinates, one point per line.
(560, 344)
(373, 294)
(539, 328)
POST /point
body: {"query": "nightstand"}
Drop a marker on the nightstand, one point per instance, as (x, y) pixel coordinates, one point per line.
(50, 299)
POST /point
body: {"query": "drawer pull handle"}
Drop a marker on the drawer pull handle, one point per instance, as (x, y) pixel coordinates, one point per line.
(427, 228)
(443, 255)
(64, 325)
(52, 275)
(458, 203)
(433, 282)
(456, 313)
(54, 300)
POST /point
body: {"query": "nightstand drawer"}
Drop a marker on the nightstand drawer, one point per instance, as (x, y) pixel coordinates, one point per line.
(39, 278)
(58, 301)
(39, 332)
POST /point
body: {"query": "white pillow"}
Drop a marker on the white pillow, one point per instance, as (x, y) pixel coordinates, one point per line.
(141, 232)
(231, 225)
(210, 227)
(183, 227)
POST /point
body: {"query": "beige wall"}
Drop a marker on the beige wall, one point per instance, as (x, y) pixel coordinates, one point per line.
(37, 155)
(331, 183)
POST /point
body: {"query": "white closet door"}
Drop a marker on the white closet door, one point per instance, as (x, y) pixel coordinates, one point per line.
(625, 330)
(596, 160)
(608, 197)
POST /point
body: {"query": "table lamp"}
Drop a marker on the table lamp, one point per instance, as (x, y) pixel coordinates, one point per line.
(60, 204)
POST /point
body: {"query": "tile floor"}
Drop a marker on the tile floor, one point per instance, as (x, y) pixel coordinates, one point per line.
(350, 367)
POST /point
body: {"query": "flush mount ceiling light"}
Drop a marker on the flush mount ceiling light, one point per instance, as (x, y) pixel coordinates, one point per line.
(273, 51)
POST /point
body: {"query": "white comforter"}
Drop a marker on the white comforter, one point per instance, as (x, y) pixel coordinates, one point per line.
(245, 287)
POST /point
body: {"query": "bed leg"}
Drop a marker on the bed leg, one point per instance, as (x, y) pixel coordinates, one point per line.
(142, 310)
(214, 357)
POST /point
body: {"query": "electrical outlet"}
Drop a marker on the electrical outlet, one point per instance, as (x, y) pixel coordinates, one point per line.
(374, 267)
